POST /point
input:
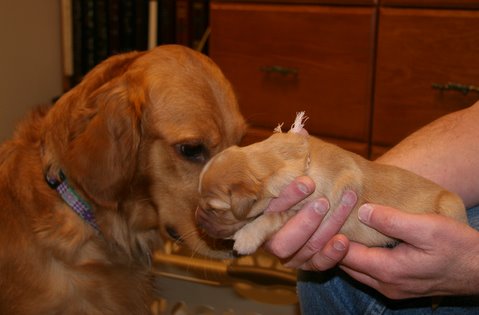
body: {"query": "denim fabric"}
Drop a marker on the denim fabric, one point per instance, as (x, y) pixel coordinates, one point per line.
(335, 293)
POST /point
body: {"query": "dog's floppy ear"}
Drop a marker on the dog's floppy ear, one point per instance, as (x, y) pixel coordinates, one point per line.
(102, 158)
(93, 132)
(106, 71)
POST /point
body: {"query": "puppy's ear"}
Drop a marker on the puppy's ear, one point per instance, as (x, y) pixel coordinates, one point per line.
(93, 132)
(242, 200)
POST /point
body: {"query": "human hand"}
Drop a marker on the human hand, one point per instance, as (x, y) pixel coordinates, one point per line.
(303, 242)
(438, 255)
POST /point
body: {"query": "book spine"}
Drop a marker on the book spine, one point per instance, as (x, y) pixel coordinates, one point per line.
(101, 30)
(199, 23)
(152, 24)
(182, 22)
(113, 21)
(93, 30)
(127, 25)
(166, 22)
(141, 24)
(88, 36)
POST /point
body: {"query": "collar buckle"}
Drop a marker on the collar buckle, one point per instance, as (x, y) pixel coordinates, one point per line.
(53, 182)
(76, 203)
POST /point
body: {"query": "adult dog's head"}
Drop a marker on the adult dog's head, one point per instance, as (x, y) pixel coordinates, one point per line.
(133, 137)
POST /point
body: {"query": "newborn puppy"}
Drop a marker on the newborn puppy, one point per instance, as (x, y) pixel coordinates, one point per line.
(237, 185)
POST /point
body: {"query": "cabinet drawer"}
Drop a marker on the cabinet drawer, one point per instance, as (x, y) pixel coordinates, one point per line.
(331, 2)
(283, 59)
(258, 134)
(433, 3)
(416, 50)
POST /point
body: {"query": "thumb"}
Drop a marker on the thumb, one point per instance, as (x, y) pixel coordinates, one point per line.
(408, 227)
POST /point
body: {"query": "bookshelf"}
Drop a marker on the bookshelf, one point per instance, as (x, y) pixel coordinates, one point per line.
(93, 30)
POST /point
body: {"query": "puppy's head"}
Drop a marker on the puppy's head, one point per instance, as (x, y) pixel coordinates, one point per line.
(228, 190)
(237, 184)
(134, 135)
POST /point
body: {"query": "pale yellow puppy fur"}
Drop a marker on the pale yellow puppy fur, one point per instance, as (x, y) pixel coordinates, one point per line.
(237, 185)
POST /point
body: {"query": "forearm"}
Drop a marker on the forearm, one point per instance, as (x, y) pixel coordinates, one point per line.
(445, 151)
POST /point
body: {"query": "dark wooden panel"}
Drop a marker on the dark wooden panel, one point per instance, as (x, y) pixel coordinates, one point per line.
(257, 134)
(377, 151)
(329, 47)
(330, 2)
(416, 49)
(433, 3)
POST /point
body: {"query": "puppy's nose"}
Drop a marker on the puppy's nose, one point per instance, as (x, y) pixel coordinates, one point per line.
(208, 223)
(202, 221)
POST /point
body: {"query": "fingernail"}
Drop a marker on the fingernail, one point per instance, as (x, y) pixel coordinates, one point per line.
(364, 212)
(321, 206)
(303, 188)
(339, 246)
(349, 198)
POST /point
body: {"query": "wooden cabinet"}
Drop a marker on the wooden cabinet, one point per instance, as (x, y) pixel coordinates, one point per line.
(455, 4)
(367, 75)
(282, 59)
(326, 2)
(419, 53)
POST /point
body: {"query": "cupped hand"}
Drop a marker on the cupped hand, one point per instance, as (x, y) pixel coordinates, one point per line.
(437, 255)
(305, 241)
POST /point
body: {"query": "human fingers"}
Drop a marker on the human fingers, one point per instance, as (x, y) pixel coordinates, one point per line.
(432, 259)
(292, 236)
(387, 270)
(409, 227)
(326, 230)
(332, 253)
(355, 263)
(390, 270)
(296, 191)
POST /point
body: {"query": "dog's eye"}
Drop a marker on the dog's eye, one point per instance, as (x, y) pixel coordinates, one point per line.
(193, 152)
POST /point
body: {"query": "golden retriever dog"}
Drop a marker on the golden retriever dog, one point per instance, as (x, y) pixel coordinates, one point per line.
(87, 185)
(237, 185)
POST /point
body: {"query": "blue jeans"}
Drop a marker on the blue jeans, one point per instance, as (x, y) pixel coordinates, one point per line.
(335, 293)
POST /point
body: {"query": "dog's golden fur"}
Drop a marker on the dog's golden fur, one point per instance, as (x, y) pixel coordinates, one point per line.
(237, 185)
(131, 139)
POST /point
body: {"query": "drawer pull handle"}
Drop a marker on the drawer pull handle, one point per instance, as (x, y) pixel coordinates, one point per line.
(450, 86)
(279, 69)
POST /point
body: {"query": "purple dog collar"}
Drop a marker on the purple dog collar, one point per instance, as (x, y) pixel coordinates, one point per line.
(81, 207)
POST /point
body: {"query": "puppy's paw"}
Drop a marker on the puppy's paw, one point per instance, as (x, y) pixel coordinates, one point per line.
(247, 240)
(254, 234)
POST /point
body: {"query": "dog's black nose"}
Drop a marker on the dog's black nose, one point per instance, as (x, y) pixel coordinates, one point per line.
(173, 233)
